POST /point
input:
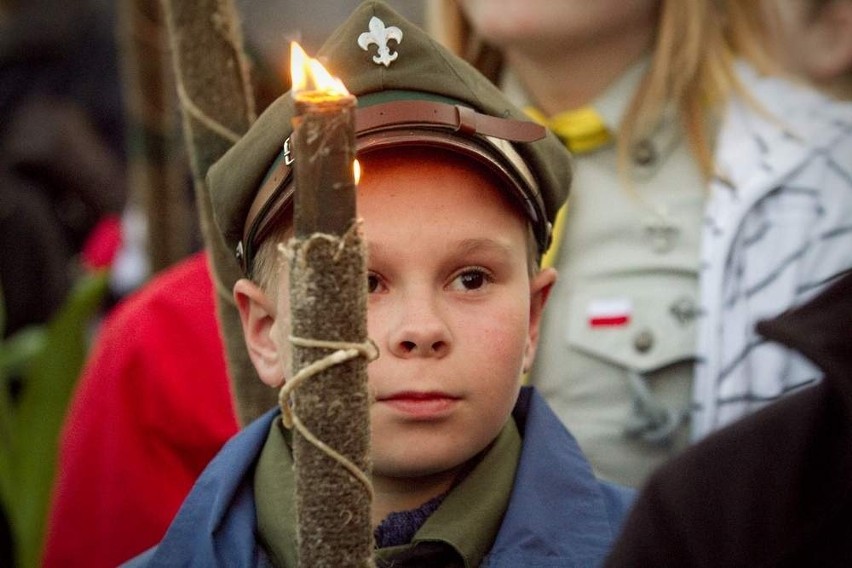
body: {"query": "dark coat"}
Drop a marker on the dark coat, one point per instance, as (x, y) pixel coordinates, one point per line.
(559, 514)
(774, 489)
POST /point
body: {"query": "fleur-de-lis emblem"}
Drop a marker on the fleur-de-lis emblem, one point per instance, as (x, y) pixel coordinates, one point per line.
(380, 35)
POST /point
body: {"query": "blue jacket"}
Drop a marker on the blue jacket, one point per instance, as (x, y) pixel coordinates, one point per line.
(559, 514)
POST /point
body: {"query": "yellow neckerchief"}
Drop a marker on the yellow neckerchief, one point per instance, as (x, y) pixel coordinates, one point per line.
(581, 130)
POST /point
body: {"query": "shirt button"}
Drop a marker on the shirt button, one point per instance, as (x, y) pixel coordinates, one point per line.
(683, 310)
(661, 234)
(643, 341)
(644, 153)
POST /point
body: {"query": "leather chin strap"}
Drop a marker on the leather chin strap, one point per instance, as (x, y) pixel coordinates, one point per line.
(441, 120)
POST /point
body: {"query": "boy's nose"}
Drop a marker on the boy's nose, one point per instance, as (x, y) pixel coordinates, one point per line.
(420, 332)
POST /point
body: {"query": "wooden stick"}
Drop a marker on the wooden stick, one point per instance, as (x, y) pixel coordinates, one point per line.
(328, 304)
(217, 105)
(155, 168)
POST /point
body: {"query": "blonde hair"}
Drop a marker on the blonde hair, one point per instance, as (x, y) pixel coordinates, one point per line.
(270, 257)
(692, 68)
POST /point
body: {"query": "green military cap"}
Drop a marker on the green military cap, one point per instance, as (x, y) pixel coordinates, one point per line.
(411, 91)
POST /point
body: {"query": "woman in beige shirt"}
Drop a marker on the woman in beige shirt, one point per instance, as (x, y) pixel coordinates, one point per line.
(682, 156)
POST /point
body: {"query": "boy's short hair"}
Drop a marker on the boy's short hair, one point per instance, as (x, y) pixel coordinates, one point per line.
(418, 95)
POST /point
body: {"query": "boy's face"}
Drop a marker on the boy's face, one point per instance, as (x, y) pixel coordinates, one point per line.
(452, 308)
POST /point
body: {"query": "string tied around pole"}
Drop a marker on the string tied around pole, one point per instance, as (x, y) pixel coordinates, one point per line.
(344, 351)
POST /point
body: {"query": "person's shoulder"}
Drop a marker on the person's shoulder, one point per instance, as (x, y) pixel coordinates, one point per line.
(185, 288)
(187, 282)
(221, 500)
(547, 444)
(737, 456)
(799, 109)
(244, 447)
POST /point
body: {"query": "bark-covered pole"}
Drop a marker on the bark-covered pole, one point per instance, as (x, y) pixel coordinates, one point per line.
(217, 105)
(155, 165)
(328, 400)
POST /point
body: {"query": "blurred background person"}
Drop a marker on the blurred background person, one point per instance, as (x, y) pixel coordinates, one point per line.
(709, 193)
(151, 408)
(62, 180)
(815, 41)
(61, 148)
(774, 488)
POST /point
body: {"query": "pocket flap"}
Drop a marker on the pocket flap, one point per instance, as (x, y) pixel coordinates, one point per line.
(643, 331)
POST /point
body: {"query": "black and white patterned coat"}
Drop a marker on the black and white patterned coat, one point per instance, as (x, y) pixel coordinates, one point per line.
(778, 227)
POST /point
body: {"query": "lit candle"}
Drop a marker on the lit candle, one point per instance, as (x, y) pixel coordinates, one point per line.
(328, 297)
(324, 141)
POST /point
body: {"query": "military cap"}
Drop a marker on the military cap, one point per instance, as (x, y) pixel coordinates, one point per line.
(411, 91)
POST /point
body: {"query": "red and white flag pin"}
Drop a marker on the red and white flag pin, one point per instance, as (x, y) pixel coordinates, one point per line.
(609, 312)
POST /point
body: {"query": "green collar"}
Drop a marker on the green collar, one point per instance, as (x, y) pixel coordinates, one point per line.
(468, 520)
(274, 497)
(470, 516)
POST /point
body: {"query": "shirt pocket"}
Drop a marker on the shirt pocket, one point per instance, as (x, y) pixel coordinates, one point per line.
(649, 328)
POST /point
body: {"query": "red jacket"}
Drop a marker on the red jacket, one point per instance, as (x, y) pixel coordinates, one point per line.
(152, 407)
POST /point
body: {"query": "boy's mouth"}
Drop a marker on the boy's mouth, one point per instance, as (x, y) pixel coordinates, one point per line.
(429, 405)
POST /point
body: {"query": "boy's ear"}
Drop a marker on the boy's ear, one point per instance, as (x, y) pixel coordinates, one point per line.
(540, 287)
(257, 314)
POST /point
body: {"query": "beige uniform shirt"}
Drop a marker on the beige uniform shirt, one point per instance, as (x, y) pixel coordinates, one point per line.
(618, 338)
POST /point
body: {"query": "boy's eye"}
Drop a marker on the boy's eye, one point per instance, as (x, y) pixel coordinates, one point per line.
(470, 279)
(373, 283)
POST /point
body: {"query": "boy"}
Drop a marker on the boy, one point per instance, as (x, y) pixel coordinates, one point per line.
(457, 200)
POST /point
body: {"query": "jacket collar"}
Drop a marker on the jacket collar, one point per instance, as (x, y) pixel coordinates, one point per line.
(219, 509)
(554, 489)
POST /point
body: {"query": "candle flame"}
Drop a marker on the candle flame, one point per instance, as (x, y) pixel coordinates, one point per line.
(356, 171)
(310, 79)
